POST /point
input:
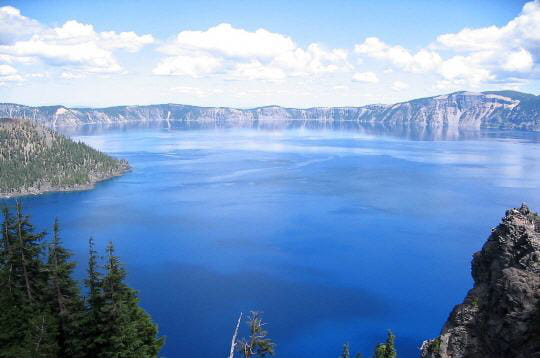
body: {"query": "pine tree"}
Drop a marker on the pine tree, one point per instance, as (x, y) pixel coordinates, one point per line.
(27, 326)
(64, 297)
(128, 330)
(13, 320)
(390, 345)
(258, 344)
(28, 249)
(387, 349)
(91, 324)
(43, 313)
(6, 253)
(345, 353)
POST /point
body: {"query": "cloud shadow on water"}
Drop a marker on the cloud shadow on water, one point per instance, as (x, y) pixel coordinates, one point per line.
(195, 304)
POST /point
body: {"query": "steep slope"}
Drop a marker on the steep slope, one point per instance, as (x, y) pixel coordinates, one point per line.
(35, 159)
(500, 317)
(503, 109)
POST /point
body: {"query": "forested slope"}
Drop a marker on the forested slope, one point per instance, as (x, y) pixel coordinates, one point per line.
(35, 159)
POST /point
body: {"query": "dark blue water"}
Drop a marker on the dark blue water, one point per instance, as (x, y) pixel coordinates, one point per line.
(335, 234)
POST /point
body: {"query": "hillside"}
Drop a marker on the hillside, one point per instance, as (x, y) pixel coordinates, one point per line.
(500, 317)
(35, 159)
(492, 109)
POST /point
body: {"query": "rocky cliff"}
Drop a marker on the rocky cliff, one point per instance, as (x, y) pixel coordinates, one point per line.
(502, 109)
(500, 316)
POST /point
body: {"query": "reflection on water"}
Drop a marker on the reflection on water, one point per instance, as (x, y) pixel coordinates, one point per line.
(404, 132)
(337, 231)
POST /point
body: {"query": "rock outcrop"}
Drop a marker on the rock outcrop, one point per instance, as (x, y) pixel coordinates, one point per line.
(500, 316)
(502, 109)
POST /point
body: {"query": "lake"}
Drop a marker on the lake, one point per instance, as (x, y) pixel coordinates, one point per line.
(336, 232)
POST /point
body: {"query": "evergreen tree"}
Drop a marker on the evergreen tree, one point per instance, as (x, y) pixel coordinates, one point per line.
(43, 313)
(28, 250)
(33, 157)
(64, 297)
(93, 338)
(387, 349)
(345, 353)
(258, 344)
(28, 327)
(6, 253)
(13, 321)
(127, 329)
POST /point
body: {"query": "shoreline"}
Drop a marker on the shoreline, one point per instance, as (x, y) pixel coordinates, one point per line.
(84, 187)
(372, 123)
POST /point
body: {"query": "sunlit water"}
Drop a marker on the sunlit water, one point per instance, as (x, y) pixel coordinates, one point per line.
(336, 234)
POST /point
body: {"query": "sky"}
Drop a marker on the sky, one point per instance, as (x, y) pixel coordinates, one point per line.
(256, 53)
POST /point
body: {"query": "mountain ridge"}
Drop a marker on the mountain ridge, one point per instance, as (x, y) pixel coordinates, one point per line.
(489, 109)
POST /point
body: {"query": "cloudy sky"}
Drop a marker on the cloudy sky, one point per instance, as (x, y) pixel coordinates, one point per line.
(254, 53)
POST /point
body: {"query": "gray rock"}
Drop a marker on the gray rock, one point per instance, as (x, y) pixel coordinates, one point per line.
(500, 316)
(496, 109)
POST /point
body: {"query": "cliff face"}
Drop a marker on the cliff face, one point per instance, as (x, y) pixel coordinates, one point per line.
(500, 316)
(504, 109)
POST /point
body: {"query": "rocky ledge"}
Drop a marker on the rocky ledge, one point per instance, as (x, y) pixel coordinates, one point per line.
(500, 316)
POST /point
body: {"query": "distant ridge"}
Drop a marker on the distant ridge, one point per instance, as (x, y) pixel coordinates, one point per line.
(490, 109)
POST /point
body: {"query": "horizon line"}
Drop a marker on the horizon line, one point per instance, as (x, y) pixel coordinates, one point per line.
(267, 106)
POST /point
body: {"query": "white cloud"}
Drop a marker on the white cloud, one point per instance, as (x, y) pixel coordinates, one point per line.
(422, 61)
(196, 91)
(13, 59)
(128, 41)
(87, 56)
(466, 70)
(470, 39)
(228, 41)
(367, 77)
(14, 26)
(522, 31)
(239, 54)
(473, 57)
(313, 60)
(495, 54)
(9, 74)
(72, 75)
(399, 86)
(257, 71)
(73, 45)
(38, 75)
(184, 65)
(6, 70)
(518, 61)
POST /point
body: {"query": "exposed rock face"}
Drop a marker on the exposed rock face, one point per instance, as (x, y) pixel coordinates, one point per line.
(500, 316)
(503, 109)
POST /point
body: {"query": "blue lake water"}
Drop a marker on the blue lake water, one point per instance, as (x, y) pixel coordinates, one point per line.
(336, 234)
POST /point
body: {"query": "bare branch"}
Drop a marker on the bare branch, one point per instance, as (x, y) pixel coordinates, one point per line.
(233, 342)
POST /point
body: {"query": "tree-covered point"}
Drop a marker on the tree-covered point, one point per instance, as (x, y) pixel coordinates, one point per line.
(43, 313)
(35, 159)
